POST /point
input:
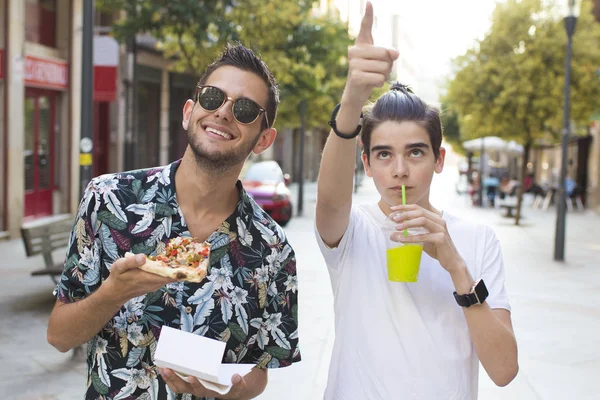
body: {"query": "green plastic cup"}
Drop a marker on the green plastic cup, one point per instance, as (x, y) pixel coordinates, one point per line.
(403, 262)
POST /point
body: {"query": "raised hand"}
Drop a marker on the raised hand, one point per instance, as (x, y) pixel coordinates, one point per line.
(369, 66)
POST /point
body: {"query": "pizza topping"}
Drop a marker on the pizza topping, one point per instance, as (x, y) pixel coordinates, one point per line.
(182, 251)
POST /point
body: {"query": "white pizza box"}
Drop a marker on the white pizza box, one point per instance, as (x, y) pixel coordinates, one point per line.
(190, 354)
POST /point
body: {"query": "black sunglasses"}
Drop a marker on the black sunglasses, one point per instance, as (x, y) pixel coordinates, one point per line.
(244, 110)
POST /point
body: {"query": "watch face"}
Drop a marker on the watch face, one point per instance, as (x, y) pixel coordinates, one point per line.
(481, 291)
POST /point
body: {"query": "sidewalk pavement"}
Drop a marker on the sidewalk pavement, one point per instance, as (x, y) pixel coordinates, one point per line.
(556, 309)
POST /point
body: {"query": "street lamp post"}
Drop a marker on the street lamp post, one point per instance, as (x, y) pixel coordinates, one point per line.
(87, 92)
(561, 209)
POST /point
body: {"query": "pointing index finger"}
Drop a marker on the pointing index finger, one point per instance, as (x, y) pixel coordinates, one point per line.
(366, 26)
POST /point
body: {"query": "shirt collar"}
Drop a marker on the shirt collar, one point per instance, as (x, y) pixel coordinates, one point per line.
(244, 198)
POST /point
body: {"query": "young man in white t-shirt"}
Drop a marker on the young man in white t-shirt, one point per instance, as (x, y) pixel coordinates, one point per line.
(397, 340)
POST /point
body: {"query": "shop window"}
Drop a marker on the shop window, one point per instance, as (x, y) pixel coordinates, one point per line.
(40, 22)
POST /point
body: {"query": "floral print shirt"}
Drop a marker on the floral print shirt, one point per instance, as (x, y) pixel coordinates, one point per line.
(248, 300)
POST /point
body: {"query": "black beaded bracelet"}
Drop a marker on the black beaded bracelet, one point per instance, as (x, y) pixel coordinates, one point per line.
(333, 125)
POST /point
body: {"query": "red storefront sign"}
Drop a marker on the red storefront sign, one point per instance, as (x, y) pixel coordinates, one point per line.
(105, 83)
(1, 64)
(45, 73)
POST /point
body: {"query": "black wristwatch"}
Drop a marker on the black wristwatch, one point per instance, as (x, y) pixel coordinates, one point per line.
(333, 125)
(477, 295)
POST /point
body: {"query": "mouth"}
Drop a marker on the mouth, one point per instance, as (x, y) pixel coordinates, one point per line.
(217, 132)
(399, 188)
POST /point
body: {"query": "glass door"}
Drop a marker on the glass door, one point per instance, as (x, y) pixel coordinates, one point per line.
(39, 152)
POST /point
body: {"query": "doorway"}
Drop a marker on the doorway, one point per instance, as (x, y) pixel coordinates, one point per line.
(40, 108)
(101, 138)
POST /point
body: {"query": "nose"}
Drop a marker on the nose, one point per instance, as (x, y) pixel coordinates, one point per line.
(224, 112)
(400, 168)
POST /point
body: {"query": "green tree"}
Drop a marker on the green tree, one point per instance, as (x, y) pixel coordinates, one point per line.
(306, 53)
(192, 24)
(451, 126)
(511, 83)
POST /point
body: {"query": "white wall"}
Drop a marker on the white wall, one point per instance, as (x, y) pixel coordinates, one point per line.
(16, 94)
(75, 103)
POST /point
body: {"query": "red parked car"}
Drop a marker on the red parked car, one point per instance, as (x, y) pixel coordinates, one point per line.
(268, 185)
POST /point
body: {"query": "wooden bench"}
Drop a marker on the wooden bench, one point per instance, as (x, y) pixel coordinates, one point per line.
(45, 235)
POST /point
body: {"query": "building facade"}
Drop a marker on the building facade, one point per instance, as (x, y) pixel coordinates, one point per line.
(40, 108)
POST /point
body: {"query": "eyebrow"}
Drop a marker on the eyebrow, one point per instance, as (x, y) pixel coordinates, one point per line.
(418, 145)
(381, 147)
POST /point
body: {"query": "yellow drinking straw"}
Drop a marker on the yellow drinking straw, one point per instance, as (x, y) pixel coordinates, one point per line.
(404, 203)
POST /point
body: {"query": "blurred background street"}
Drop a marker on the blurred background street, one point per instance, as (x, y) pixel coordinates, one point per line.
(556, 309)
(89, 87)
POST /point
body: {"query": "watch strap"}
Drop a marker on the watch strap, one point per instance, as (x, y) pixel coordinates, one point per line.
(478, 295)
(466, 300)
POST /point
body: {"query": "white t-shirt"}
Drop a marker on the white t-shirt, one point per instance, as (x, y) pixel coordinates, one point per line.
(405, 340)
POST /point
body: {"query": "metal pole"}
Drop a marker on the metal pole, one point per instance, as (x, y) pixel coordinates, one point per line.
(130, 98)
(561, 209)
(301, 155)
(87, 81)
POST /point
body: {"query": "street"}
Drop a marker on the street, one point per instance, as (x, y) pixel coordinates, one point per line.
(556, 308)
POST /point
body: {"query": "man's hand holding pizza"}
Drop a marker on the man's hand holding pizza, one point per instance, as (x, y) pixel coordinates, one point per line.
(136, 274)
(126, 280)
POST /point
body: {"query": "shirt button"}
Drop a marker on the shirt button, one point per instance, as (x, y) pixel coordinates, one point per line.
(188, 309)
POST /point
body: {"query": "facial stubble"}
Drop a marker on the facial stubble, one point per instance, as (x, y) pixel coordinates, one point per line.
(222, 161)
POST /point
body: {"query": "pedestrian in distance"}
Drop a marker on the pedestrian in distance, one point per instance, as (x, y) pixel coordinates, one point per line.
(249, 297)
(420, 338)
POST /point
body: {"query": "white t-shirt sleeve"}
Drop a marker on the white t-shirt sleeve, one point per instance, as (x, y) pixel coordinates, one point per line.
(334, 256)
(492, 272)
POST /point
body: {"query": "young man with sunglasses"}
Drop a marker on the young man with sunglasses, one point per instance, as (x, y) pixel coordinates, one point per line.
(249, 299)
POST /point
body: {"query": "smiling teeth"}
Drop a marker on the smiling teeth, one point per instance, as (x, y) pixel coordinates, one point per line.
(222, 134)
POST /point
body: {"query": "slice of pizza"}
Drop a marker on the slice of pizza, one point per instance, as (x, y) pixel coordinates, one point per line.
(184, 258)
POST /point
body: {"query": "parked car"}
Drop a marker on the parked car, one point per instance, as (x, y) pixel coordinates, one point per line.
(268, 185)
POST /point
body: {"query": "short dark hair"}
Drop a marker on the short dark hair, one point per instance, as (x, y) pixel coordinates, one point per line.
(401, 104)
(236, 55)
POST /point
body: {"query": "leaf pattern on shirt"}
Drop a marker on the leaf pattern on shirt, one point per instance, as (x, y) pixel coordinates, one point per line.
(248, 300)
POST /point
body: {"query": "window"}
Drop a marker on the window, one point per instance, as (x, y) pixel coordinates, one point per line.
(40, 22)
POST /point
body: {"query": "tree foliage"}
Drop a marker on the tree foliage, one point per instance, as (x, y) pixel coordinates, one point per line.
(449, 118)
(511, 83)
(306, 53)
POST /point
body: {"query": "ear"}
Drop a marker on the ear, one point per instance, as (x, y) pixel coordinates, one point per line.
(439, 163)
(188, 107)
(267, 137)
(365, 162)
